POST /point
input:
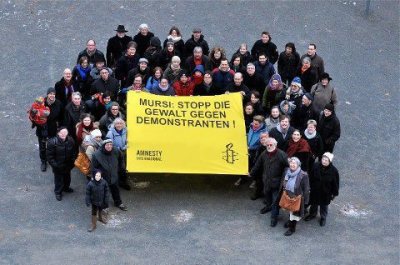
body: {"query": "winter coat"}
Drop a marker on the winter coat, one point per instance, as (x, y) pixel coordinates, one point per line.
(191, 44)
(266, 71)
(72, 115)
(61, 93)
(60, 154)
(91, 58)
(133, 72)
(119, 139)
(222, 79)
(116, 48)
(269, 48)
(172, 75)
(143, 42)
(253, 137)
(316, 146)
(182, 89)
(287, 66)
(272, 98)
(106, 121)
(83, 85)
(308, 78)
(165, 57)
(245, 58)
(271, 169)
(55, 118)
(282, 142)
(169, 92)
(271, 123)
(329, 129)
(124, 65)
(97, 193)
(190, 64)
(111, 85)
(324, 183)
(317, 62)
(179, 46)
(301, 187)
(109, 163)
(95, 73)
(232, 88)
(152, 83)
(254, 82)
(301, 150)
(204, 90)
(301, 115)
(322, 96)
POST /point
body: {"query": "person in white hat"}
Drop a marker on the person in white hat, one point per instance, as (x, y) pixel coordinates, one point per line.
(324, 183)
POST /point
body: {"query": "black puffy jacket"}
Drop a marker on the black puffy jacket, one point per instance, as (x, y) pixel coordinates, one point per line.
(61, 154)
(97, 193)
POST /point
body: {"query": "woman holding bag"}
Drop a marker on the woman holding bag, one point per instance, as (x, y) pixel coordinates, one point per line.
(295, 183)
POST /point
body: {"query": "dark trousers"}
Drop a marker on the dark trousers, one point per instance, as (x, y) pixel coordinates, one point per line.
(115, 194)
(42, 148)
(323, 210)
(95, 209)
(272, 198)
(62, 180)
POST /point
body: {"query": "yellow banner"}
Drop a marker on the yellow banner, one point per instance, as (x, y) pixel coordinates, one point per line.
(186, 134)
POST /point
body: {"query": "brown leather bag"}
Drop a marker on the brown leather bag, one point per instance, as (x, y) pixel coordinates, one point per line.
(82, 162)
(291, 204)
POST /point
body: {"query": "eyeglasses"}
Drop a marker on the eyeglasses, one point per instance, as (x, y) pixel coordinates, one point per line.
(114, 109)
(269, 145)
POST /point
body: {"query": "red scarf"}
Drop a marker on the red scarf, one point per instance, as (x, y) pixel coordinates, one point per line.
(298, 147)
(271, 154)
(197, 61)
(79, 133)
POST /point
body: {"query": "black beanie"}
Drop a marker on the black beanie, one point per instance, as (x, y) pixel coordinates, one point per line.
(330, 107)
(51, 90)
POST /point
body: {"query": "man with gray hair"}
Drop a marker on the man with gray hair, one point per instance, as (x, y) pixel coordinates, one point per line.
(316, 61)
(271, 165)
(253, 80)
(143, 39)
(91, 52)
(65, 87)
(196, 59)
(73, 112)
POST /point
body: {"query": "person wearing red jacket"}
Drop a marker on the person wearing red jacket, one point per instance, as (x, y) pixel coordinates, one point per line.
(184, 86)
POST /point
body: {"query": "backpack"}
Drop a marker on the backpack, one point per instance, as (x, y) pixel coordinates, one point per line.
(38, 112)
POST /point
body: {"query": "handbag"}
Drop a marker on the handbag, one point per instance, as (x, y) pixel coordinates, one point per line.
(82, 162)
(291, 204)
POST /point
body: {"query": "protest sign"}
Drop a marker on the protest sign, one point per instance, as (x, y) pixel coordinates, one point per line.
(186, 134)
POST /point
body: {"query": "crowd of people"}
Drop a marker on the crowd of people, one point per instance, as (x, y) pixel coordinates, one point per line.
(289, 107)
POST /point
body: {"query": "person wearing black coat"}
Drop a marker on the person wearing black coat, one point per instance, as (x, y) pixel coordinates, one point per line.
(329, 128)
(303, 113)
(253, 80)
(190, 63)
(271, 165)
(105, 83)
(166, 55)
(282, 133)
(288, 62)
(307, 74)
(265, 46)
(324, 183)
(238, 86)
(314, 141)
(153, 52)
(197, 40)
(72, 113)
(116, 46)
(61, 154)
(97, 195)
(126, 63)
(207, 87)
(143, 39)
(65, 87)
(109, 160)
(175, 37)
(142, 69)
(49, 129)
(91, 52)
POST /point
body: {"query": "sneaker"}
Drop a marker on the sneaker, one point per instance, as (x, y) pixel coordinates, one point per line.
(122, 207)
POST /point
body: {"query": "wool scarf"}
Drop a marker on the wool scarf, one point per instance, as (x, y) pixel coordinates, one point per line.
(308, 135)
(291, 178)
(83, 72)
(301, 146)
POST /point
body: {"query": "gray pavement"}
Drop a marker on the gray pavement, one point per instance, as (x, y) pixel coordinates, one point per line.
(180, 219)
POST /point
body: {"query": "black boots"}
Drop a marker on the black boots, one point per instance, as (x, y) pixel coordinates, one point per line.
(274, 222)
(43, 166)
(309, 217)
(94, 221)
(265, 210)
(322, 222)
(292, 228)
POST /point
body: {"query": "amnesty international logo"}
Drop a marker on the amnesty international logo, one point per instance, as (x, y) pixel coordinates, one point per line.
(229, 155)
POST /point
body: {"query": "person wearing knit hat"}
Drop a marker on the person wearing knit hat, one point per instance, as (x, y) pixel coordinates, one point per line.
(296, 81)
(324, 183)
(304, 113)
(51, 90)
(197, 40)
(143, 69)
(329, 127)
(109, 160)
